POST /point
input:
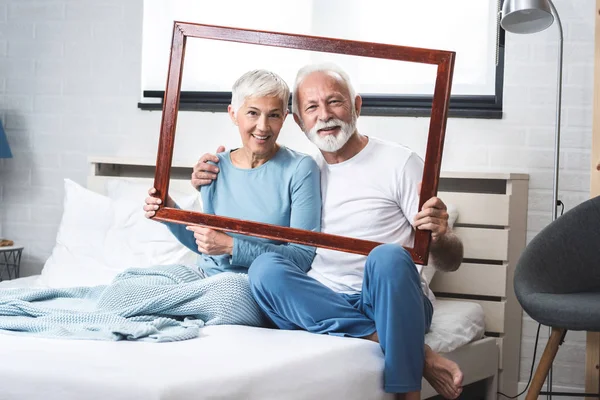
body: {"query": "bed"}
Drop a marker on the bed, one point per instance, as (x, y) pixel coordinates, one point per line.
(476, 322)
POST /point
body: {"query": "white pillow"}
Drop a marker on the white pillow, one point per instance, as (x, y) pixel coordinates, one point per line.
(137, 241)
(132, 190)
(133, 241)
(76, 259)
(99, 237)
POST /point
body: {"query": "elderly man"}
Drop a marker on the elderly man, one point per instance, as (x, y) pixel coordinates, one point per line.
(370, 191)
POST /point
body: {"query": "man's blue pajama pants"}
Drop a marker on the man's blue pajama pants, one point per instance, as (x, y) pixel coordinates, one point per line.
(391, 303)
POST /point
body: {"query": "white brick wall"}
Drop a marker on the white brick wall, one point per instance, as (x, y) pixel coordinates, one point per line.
(70, 82)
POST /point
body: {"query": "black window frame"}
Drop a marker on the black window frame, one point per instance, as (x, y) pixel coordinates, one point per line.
(461, 106)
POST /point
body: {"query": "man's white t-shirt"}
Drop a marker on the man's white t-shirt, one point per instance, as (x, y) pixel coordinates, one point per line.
(372, 196)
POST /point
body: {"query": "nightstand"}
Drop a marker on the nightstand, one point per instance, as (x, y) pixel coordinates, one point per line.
(10, 261)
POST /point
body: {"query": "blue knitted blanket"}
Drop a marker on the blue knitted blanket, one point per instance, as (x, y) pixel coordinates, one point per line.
(159, 304)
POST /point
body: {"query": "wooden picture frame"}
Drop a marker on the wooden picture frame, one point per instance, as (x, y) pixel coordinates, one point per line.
(437, 128)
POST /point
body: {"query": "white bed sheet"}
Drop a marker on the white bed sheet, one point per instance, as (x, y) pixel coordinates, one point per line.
(225, 362)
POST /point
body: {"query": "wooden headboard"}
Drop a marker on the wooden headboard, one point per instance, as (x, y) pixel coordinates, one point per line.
(492, 222)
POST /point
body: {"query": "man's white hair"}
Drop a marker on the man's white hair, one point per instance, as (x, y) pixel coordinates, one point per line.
(259, 83)
(324, 67)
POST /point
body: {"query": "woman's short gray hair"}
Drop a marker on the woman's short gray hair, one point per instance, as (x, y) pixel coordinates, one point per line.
(324, 67)
(259, 83)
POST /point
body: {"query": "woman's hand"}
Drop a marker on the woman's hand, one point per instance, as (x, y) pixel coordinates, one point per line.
(211, 242)
(153, 203)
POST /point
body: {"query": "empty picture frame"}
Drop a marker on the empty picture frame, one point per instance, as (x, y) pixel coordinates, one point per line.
(437, 127)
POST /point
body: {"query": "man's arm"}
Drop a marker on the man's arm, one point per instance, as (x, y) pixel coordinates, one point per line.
(447, 252)
(446, 248)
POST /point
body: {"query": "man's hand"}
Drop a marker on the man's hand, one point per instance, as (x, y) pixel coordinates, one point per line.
(211, 242)
(446, 248)
(433, 217)
(152, 203)
(204, 173)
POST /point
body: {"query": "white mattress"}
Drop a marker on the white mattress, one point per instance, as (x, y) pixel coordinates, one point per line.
(225, 362)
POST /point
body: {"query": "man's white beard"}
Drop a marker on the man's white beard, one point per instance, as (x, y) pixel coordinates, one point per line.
(332, 143)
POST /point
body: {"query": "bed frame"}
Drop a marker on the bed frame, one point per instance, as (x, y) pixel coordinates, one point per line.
(492, 222)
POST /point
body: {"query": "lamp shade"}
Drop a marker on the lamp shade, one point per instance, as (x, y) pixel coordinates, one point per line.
(526, 16)
(4, 147)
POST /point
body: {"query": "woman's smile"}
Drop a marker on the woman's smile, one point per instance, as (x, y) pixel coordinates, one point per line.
(261, 138)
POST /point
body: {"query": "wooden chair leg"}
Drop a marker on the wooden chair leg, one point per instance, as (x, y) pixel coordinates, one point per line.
(543, 367)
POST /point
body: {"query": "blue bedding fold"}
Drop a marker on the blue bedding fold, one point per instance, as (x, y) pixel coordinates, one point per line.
(159, 304)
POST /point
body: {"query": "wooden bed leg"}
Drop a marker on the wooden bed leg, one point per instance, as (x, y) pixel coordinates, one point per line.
(491, 387)
(543, 367)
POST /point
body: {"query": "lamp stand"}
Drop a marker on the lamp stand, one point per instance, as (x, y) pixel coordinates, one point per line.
(555, 201)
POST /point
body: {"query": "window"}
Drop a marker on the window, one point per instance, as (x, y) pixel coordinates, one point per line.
(468, 27)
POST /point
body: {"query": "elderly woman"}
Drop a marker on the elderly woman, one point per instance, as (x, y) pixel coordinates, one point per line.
(262, 181)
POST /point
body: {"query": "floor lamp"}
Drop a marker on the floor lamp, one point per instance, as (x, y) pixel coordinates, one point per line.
(531, 16)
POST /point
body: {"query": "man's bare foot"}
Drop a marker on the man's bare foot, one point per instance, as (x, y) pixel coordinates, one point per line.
(442, 374)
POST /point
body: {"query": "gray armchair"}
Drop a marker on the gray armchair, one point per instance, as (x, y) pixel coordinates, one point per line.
(557, 280)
